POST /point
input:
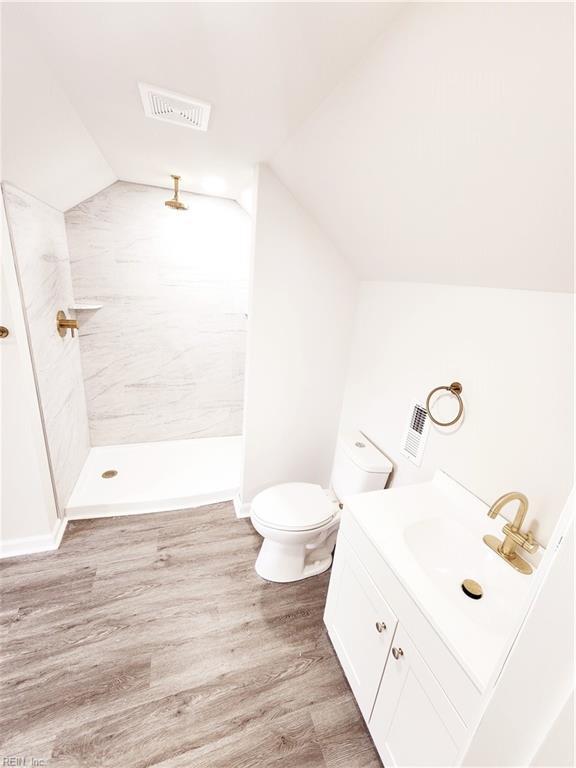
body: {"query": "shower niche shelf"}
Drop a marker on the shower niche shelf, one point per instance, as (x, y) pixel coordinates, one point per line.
(85, 306)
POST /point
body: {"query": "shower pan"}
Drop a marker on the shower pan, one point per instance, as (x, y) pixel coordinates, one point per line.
(156, 477)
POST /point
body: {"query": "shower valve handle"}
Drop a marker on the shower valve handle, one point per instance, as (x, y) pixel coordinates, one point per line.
(64, 323)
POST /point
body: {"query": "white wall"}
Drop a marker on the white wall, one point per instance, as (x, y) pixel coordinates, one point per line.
(164, 357)
(445, 156)
(38, 239)
(46, 150)
(28, 516)
(558, 746)
(301, 312)
(513, 353)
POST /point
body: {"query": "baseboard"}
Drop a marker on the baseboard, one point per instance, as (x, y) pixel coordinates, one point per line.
(30, 545)
(242, 510)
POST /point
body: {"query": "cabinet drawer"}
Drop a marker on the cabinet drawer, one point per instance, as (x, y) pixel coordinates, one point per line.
(360, 623)
(413, 723)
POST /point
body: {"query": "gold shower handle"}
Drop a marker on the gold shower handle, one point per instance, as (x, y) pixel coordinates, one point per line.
(64, 323)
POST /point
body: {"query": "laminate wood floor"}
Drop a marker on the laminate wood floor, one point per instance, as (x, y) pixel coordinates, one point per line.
(151, 641)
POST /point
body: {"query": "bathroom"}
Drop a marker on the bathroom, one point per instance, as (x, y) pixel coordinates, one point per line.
(316, 274)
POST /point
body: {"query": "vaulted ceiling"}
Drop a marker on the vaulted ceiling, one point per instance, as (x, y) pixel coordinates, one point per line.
(264, 67)
(446, 154)
(432, 142)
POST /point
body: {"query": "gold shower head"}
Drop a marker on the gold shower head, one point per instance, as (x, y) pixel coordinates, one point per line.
(174, 202)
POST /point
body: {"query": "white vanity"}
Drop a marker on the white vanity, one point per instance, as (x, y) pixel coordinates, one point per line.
(417, 651)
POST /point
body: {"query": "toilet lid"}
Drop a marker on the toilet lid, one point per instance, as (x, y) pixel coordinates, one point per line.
(293, 506)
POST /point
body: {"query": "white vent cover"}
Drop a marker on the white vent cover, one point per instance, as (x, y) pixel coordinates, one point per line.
(416, 434)
(174, 107)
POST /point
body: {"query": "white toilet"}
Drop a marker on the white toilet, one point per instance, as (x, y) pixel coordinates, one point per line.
(299, 521)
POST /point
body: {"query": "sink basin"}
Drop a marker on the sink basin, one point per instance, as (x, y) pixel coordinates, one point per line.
(431, 536)
(448, 552)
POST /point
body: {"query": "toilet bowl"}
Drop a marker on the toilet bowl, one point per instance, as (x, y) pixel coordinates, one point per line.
(299, 521)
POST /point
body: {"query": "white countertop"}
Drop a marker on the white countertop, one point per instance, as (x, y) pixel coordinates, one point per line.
(430, 534)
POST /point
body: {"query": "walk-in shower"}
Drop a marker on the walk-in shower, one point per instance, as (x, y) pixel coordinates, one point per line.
(143, 408)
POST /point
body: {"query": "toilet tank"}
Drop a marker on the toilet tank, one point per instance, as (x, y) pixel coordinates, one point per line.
(358, 466)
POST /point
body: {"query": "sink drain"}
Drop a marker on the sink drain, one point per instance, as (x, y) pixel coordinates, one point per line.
(472, 589)
(109, 473)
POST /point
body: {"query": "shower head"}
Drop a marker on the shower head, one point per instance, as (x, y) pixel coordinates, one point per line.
(175, 202)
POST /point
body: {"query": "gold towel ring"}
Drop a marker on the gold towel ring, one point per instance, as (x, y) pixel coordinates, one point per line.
(456, 389)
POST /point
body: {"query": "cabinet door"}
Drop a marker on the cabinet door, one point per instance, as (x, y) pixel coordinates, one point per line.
(360, 624)
(413, 723)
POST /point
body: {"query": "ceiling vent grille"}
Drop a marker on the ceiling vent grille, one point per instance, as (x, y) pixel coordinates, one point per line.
(174, 107)
(416, 434)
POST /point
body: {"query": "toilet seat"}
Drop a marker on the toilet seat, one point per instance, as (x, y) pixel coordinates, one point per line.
(294, 507)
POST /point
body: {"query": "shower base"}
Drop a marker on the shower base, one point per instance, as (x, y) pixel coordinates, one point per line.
(156, 477)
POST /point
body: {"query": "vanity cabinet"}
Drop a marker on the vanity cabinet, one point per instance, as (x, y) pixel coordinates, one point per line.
(412, 722)
(361, 625)
(409, 714)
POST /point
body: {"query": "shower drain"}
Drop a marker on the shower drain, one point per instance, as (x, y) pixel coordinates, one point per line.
(109, 473)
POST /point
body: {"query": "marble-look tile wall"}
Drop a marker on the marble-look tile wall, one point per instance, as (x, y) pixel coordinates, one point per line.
(163, 358)
(40, 250)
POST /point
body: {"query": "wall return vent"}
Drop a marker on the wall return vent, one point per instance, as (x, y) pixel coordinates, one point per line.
(416, 433)
(174, 107)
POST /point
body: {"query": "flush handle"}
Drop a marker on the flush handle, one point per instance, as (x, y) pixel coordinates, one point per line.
(3, 332)
(397, 652)
(380, 626)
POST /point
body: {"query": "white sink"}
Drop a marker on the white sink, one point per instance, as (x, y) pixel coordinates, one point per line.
(448, 553)
(431, 535)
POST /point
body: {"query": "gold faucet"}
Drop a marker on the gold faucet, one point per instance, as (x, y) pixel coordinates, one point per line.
(64, 323)
(515, 537)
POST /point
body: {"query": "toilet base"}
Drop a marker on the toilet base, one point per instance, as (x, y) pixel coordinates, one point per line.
(282, 562)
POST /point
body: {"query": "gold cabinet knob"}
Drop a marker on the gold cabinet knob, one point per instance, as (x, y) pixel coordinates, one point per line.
(397, 652)
(380, 626)
(3, 332)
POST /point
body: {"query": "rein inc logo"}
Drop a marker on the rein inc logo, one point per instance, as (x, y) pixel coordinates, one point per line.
(23, 762)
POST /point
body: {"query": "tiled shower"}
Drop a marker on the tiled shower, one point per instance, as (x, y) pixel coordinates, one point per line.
(143, 407)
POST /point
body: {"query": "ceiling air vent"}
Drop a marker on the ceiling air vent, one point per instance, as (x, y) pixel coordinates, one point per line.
(416, 434)
(174, 107)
